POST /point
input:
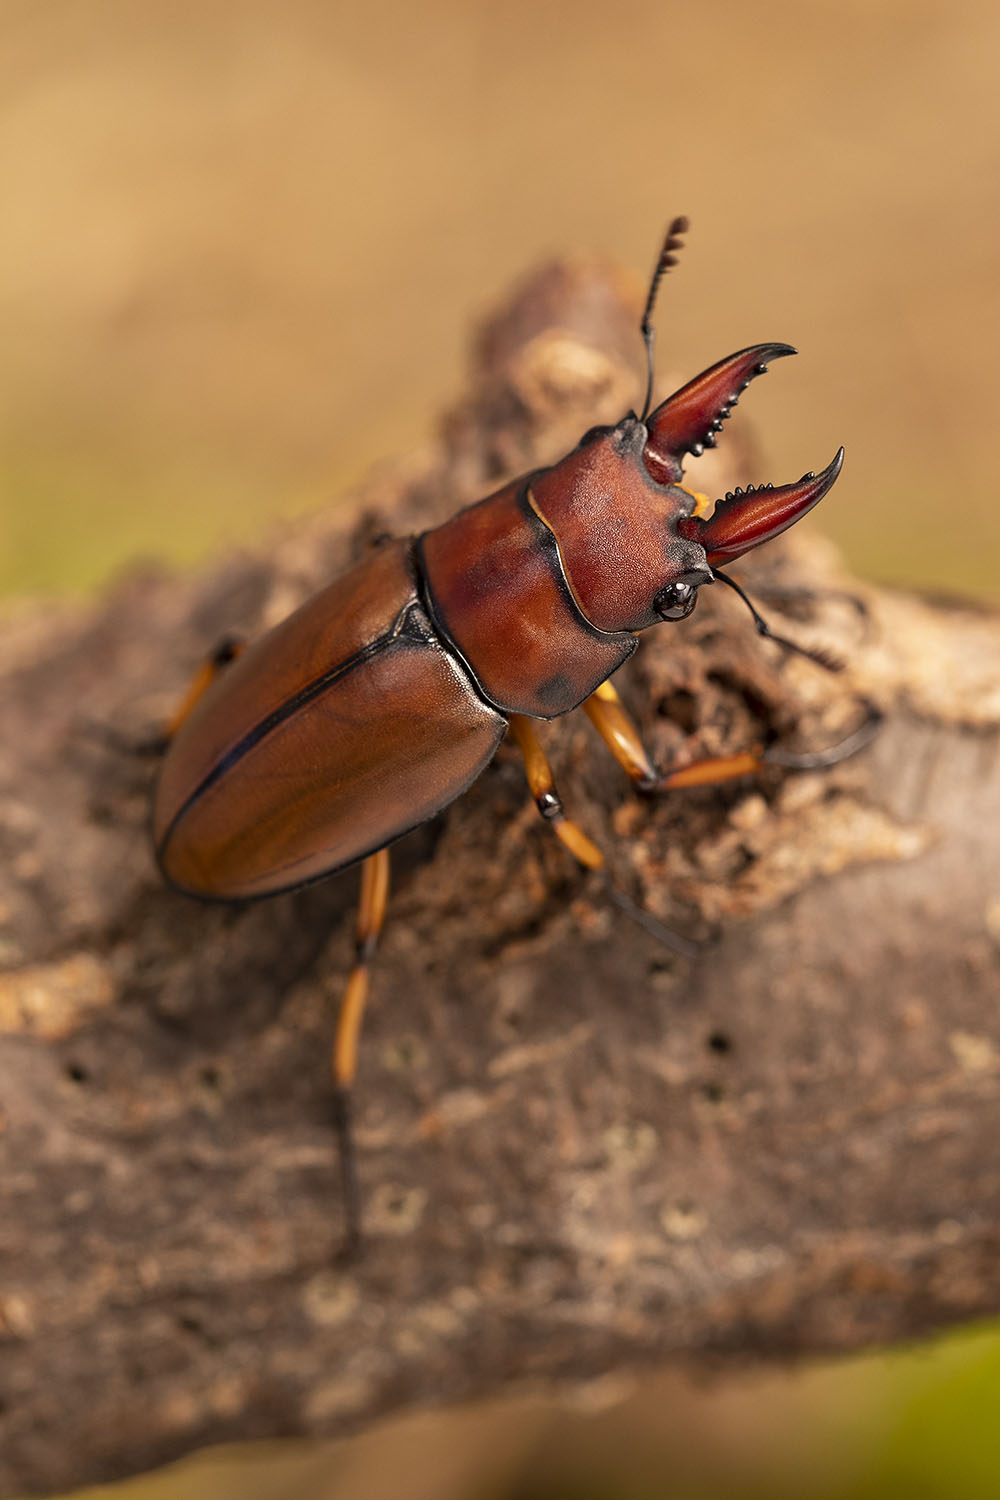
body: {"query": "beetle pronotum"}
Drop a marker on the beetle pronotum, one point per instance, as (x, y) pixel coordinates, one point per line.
(381, 699)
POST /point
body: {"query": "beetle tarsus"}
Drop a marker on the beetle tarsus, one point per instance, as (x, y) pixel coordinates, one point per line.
(686, 947)
(821, 760)
(350, 1247)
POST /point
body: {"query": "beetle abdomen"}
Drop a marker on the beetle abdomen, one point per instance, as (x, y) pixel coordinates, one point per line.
(339, 731)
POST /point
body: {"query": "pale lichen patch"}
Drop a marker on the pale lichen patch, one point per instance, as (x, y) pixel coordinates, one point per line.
(52, 1000)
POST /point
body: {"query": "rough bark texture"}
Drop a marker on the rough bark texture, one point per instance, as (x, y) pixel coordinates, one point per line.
(579, 1152)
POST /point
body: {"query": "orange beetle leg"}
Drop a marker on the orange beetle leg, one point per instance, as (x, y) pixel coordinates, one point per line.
(540, 780)
(371, 915)
(226, 651)
(543, 789)
(609, 717)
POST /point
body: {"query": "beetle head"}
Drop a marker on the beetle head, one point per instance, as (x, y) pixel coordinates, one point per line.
(634, 544)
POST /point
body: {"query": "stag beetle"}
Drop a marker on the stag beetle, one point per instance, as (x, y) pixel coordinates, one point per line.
(383, 698)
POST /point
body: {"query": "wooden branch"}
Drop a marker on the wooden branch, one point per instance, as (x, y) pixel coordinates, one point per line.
(578, 1152)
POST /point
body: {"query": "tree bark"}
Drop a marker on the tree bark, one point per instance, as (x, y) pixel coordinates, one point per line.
(579, 1152)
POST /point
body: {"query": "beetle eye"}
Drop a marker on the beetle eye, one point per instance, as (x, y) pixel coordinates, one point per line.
(676, 601)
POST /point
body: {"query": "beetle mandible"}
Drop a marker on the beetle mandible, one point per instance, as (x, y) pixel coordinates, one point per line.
(385, 696)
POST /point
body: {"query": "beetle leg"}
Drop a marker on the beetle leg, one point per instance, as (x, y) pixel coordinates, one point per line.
(540, 780)
(543, 789)
(608, 715)
(152, 746)
(371, 915)
(819, 760)
(226, 651)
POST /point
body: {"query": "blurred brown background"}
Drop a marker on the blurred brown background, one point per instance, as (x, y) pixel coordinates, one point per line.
(243, 245)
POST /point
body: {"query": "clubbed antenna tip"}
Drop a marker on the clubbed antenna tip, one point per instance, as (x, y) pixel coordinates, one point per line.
(672, 244)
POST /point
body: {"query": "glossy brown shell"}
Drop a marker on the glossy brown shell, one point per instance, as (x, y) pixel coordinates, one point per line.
(498, 591)
(342, 729)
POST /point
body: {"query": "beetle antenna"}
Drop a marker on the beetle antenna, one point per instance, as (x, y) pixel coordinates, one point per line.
(822, 659)
(668, 257)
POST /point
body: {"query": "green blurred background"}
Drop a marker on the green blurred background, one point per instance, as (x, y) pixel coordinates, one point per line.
(243, 247)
